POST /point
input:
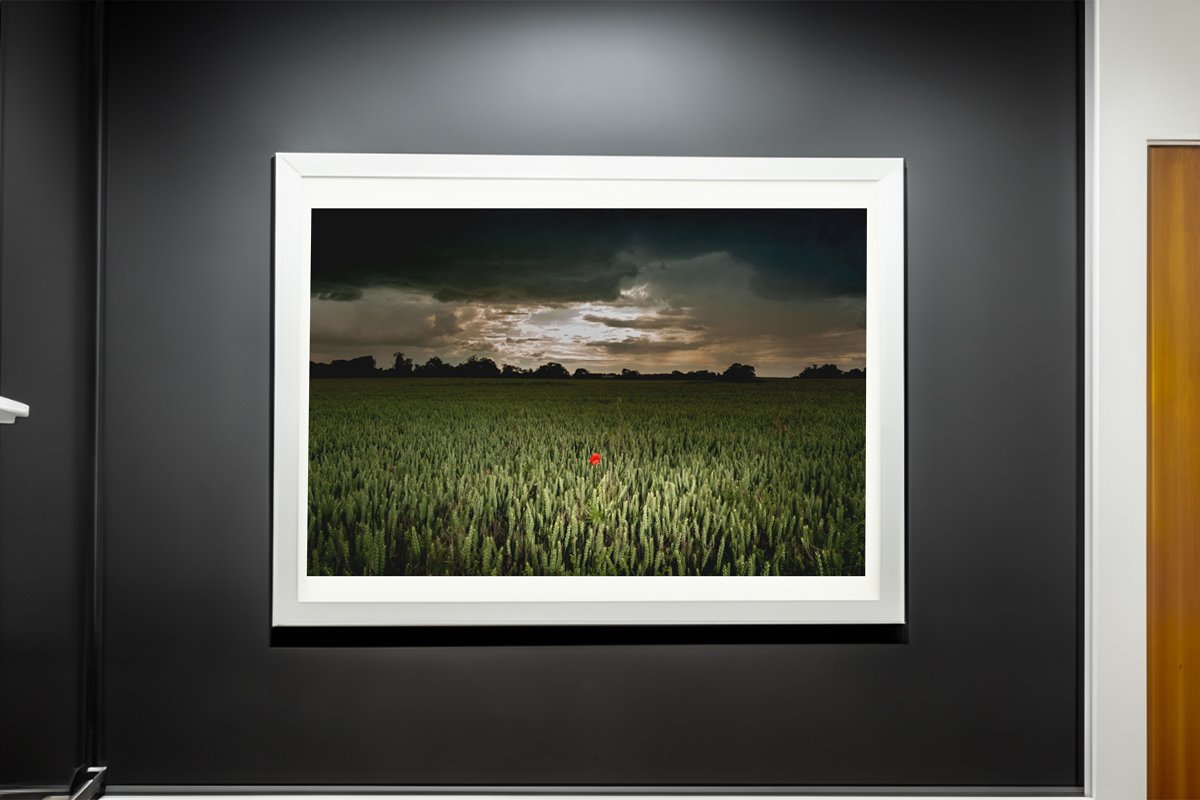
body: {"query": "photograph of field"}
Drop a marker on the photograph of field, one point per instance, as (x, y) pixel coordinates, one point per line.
(587, 392)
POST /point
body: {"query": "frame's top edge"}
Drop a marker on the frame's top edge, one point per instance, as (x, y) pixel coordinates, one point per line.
(588, 167)
(598, 157)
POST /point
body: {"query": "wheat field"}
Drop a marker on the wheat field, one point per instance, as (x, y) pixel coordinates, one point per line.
(585, 477)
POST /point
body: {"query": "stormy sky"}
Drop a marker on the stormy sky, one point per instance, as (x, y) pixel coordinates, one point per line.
(648, 289)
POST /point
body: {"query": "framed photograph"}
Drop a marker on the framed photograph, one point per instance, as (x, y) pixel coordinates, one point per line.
(528, 390)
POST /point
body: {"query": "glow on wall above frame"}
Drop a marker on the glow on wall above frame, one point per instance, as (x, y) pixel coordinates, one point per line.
(525, 390)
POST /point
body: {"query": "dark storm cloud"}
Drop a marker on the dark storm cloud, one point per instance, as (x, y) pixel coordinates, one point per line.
(445, 324)
(343, 294)
(643, 346)
(810, 253)
(672, 322)
(554, 256)
(471, 254)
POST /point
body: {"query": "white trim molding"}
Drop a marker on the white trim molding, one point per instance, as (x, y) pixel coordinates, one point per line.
(1143, 61)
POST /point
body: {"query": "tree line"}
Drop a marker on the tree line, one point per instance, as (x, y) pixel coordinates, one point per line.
(477, 367)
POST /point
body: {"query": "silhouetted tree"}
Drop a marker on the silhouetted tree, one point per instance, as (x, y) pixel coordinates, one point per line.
(401, 367)
(475, 367)
(551, 369)
(433, 368)
(361, 367)
(823, 371)
(630, 373)
(509, 371)
(580, 373)
(743, 373)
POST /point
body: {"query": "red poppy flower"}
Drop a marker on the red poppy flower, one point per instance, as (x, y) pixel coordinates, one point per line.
(595, 459)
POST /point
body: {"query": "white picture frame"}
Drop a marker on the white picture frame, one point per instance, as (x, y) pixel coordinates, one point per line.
(304, 181)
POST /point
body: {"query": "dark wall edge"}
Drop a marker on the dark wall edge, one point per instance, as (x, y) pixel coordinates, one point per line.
(93, 623)
(1081, 514)
(69, 425)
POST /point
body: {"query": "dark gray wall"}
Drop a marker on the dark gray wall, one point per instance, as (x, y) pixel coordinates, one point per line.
(46, 357)
(980, 98)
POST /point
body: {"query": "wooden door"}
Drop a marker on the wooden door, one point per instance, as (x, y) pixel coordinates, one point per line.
(1173, 493)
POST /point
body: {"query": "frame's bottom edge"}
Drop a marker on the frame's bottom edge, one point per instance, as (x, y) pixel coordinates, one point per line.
(558, 635)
